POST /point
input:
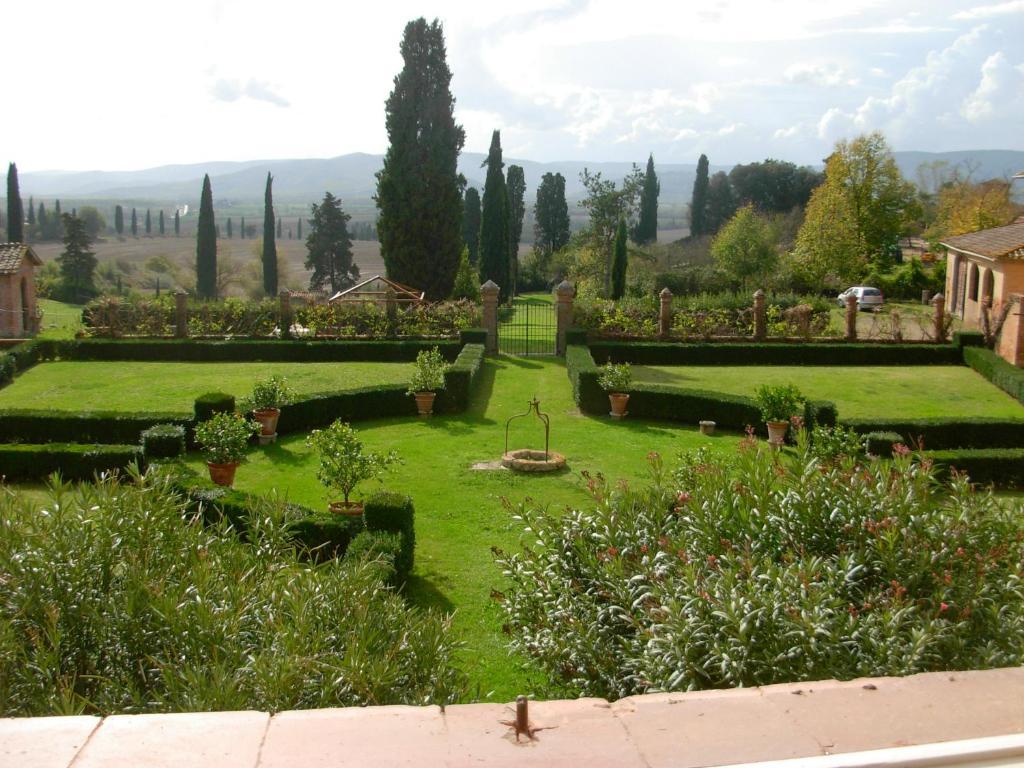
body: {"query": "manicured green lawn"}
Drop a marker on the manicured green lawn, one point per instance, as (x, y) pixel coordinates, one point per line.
(172, 387)
(60, 320)
(885, 392)
(459, 511)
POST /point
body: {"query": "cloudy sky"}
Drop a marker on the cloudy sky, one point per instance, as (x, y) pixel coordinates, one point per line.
(124, 85)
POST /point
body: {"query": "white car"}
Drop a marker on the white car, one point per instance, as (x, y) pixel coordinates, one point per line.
(867, 297)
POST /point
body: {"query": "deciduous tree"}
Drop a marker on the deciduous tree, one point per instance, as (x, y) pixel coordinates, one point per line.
(721, 202)
(619, 262)
(329, 247)
(206, 245)
(745, 248)
(830, 248)
(607, 205)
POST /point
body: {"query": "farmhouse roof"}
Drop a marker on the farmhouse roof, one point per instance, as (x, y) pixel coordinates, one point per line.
(403, 293)
(996, 243)
(13, 254)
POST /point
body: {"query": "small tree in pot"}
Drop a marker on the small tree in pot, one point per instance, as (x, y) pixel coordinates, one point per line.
(344, 462)
(615, 380)
(223, 438)
(778, 404)
(266, 400)
(427, 379)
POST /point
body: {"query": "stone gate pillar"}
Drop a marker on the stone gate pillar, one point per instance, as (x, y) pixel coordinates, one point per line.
(760, 316)
(489, 293)
(563, 313)
(939, 320)
(181, 314)
(851, 317)
(665, 313)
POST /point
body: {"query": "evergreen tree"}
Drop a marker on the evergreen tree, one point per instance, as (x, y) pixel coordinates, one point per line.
(269, 244)
(135, 223)
(149, 223)
(515, 184)
(57, 208)
(551, 215)
(619, 261)
(161, 223)
(494, 221)
(241, 229)
(31, 213)
(42, 221)
(206, 245)
(419, 189)
(278, 227)
(721, 202)
(467, 284)
(15, 212)
(647, 227)
(299, 230)
(230, 230)
(699, 201)
(119, 219)
(329, 247)
(77, 262)
(471, 225)
(177, 223)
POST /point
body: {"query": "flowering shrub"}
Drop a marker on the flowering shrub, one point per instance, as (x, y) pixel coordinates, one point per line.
(444, 319)
(763, 569)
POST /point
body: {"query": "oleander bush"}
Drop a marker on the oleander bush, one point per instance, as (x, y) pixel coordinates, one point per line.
(767, 568)
(118, 599)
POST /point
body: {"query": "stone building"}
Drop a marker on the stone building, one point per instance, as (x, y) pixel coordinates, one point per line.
(19, 317)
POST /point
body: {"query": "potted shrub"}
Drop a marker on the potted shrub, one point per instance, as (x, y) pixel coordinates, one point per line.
(615, 379)
(266, 400)
(344, 463)
(223, 438)
(427, 378)
(778, 404)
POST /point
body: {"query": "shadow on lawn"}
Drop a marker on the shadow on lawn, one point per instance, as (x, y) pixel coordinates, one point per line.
(280, 454)
(423, 593)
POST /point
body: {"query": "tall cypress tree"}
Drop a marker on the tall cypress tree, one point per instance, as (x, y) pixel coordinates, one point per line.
(419, 190)
(471, 224)
(551, 215)
(177, 223)
(149, 223)
(494, 221)
(647, 227)
(241, 229)
(230, 230)
(31, 212)
(619, 262)
(279, 229)
(161, 222)
(699, 202)
(135, 223)
(15, 212)
(269, 244)
(298, 233)
(119, 219)
(516, 188)
(206, 245)
(43, 221)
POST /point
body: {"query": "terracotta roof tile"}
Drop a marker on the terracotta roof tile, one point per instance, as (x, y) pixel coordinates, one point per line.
(12, 254)
(998, 242)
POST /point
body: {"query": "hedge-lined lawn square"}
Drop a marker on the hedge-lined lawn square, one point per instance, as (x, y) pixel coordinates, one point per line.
(172, 387)
(875, 392)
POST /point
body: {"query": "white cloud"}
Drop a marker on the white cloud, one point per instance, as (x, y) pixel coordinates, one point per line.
(825, 74)
(1000, 92)
(233, 90)
(988, 11)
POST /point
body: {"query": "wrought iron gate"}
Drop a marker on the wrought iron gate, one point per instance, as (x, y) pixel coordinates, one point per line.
(527, 327)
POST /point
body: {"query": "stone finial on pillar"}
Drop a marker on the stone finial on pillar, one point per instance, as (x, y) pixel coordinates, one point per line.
(665, 313)
(851, 317)
(286, 313)
(489, 293)
(939, 320)
(760, 316)
(564, 295)
(180, 314)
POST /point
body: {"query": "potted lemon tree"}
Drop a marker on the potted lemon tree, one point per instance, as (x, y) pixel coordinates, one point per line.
(345, 462)
(778, 404)
(268, 395)
(223, 438)
(615, 380)
(427, 379)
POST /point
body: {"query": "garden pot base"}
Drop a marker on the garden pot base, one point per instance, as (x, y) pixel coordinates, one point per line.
(352, 509)
(268, 439)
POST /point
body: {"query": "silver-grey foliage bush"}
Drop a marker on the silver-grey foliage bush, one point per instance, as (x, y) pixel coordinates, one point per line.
(765, 568)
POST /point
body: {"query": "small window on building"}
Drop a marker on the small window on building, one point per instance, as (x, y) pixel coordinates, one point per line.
(987, 286)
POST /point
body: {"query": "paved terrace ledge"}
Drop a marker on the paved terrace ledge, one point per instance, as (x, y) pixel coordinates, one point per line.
(805, 722)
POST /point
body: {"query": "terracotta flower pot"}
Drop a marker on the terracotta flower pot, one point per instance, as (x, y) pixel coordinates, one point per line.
(352, 508)
(267, 417)
(223, 474)
(618, 401)
(777, 432)
(425, 402)
(707, 427)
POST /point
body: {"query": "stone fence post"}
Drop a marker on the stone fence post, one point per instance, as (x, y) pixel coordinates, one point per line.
(760, 316)
(665, 313)
(286, 313)
(490, 292)
(939, 320)
(851, 317)
(563, 316)
(181, 314)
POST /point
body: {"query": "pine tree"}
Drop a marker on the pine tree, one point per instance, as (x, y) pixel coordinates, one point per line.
(551, 215)
(206, 245)
(721, 202)
(515, 184)
(31, 213)
(494, 239)
(230, 230)
(419, 190)
(471, 225)
(160, 223)
(77, 262)
(647, 227)
(177, 223)
(135, 224)
(619, 262)
(149, 223)
(119, 219)
(15, 212)
(329, 247)
(699, 201)
(269, 244)
(279, 228)
(467, 285)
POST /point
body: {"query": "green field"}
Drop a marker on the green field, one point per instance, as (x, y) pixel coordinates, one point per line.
(883, 392)
(172, 387)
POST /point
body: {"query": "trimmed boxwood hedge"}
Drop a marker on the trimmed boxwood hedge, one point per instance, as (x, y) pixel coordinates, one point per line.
(19, 358)
(820, 413)
(210, 404)
(323, 535)
(319, 410)
(73, 461)
(109, 427)
(583, 373)
(668, 353)
(460, 380)
(881, 443)
(1001, 467)
(383, 546)
(1007, 377)
(394, 513)
(473, 336)
(942, 434)
(163, 441)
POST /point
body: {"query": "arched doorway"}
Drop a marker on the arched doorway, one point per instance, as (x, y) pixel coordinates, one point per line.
(972, 282)
(987, 287)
